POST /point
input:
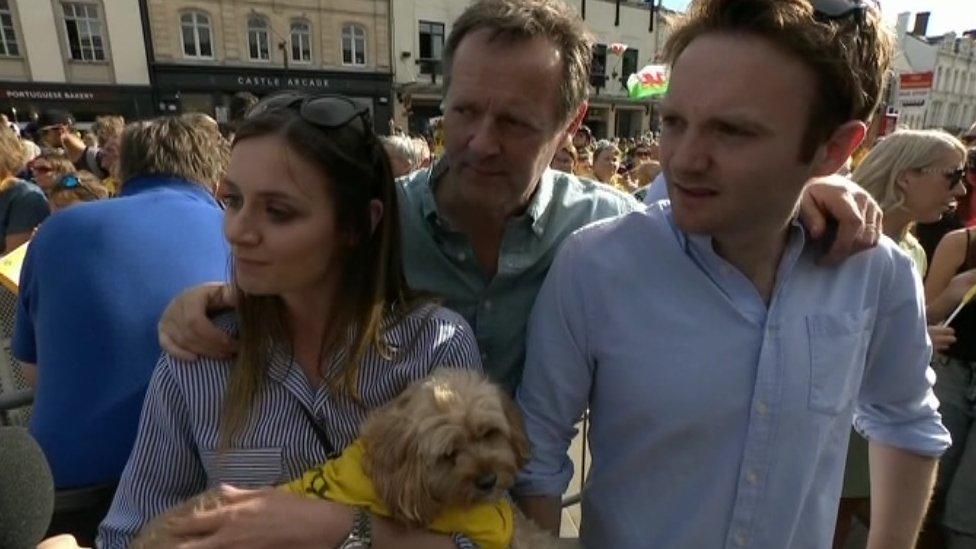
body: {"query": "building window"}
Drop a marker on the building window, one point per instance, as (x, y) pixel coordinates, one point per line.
(598, 66)
(84, 30)
(301, 42)
(628, 65)
(353, 45)
(257, 39)
(196, 35)
(431, 47)
(8, 38)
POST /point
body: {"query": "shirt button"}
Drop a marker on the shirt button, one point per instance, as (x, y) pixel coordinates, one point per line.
(462, 256)
(740, 539)
(762, 409)
(487, 305)
(752, 478)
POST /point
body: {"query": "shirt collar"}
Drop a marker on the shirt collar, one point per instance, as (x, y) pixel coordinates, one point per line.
(537, 210)
(700, 246)
(143, 183)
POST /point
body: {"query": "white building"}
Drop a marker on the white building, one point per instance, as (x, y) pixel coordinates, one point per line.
(950, 101)
(87, 56)
(421, 27)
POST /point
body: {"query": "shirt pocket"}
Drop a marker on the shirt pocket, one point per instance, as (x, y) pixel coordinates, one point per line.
(243, 467)
(838, 350)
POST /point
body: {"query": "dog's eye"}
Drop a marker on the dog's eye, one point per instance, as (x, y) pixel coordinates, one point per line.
(491, 433)
(449, 456)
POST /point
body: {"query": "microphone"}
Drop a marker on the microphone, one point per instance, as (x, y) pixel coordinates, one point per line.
(26, 490)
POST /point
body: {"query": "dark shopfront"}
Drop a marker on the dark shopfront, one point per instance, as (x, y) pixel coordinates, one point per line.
(209, 89)
(84, 101)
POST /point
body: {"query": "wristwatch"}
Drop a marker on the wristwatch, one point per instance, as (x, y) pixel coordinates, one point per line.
(361, 535)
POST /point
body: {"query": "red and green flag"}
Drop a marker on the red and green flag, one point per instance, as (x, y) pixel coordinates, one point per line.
(651, 81)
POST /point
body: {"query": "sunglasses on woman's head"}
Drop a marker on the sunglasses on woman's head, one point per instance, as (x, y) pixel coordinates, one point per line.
(839, 9)
(325, 111)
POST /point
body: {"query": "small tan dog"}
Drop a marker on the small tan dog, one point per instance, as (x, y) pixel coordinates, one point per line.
(446, 444)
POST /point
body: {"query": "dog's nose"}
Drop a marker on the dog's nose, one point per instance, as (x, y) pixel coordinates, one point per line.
(486, 482)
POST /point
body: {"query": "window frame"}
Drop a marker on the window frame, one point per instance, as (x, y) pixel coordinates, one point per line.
(432, 25)
(196, 26)
(5, 40)
(352, 40)
(307, 34)
(89, 23)
(264, 29)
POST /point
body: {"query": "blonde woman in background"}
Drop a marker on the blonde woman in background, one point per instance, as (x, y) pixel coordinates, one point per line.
(22, 204)
(914, 176)
(952, 273)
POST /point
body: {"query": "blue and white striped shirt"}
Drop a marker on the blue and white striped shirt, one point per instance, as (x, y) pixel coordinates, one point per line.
(176, 451)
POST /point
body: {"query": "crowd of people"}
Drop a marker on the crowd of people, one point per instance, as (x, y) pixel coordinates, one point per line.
(765, 349)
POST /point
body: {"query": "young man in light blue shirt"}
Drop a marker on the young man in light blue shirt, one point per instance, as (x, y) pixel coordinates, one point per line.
(721, 364)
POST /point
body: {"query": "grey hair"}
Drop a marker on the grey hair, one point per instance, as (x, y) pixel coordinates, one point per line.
(903, 150)
(514, 20)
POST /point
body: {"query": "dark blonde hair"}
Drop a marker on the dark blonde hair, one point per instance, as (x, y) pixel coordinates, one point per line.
(513, 20)
(374, 295)
(89, 188)
(108, 127)
(13, 154)
(173, 146)
(850, 56)
(59, 161)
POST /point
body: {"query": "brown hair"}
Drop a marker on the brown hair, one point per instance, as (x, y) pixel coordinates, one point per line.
(374, 295)
(850, 56)
(173, 146)
(526, 19)
(89, 188)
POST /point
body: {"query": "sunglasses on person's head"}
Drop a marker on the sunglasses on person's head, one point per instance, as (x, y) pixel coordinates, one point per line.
(839, 9)
(953, 177)
(325, 111)
(71, 182)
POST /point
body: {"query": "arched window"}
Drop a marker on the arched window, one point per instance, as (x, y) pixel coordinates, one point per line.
(353, 45)
(197, 34)
(301, 42)
(257, 38)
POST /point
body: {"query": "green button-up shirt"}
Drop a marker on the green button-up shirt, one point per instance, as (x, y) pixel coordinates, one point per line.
(440, 260)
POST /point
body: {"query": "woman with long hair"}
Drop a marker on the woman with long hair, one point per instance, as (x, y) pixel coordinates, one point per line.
(22, 203)
(915, 176)
(952, 274)
(328, 331)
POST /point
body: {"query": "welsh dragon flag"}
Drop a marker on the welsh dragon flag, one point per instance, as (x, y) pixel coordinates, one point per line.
(650, 81)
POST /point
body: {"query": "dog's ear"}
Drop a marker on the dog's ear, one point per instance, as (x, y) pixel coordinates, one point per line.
(517, 438)
(393, 459)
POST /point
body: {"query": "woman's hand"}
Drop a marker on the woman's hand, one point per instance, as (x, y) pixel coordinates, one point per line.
(186, 332)
(942, 337)
(264, 518)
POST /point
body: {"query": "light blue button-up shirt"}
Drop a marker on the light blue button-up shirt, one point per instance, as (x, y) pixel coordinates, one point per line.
(716, 421)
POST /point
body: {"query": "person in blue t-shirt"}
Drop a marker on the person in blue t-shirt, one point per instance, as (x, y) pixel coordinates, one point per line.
(94, 283)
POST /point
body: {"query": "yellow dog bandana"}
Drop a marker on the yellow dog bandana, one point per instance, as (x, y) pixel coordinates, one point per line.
(343, 480)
